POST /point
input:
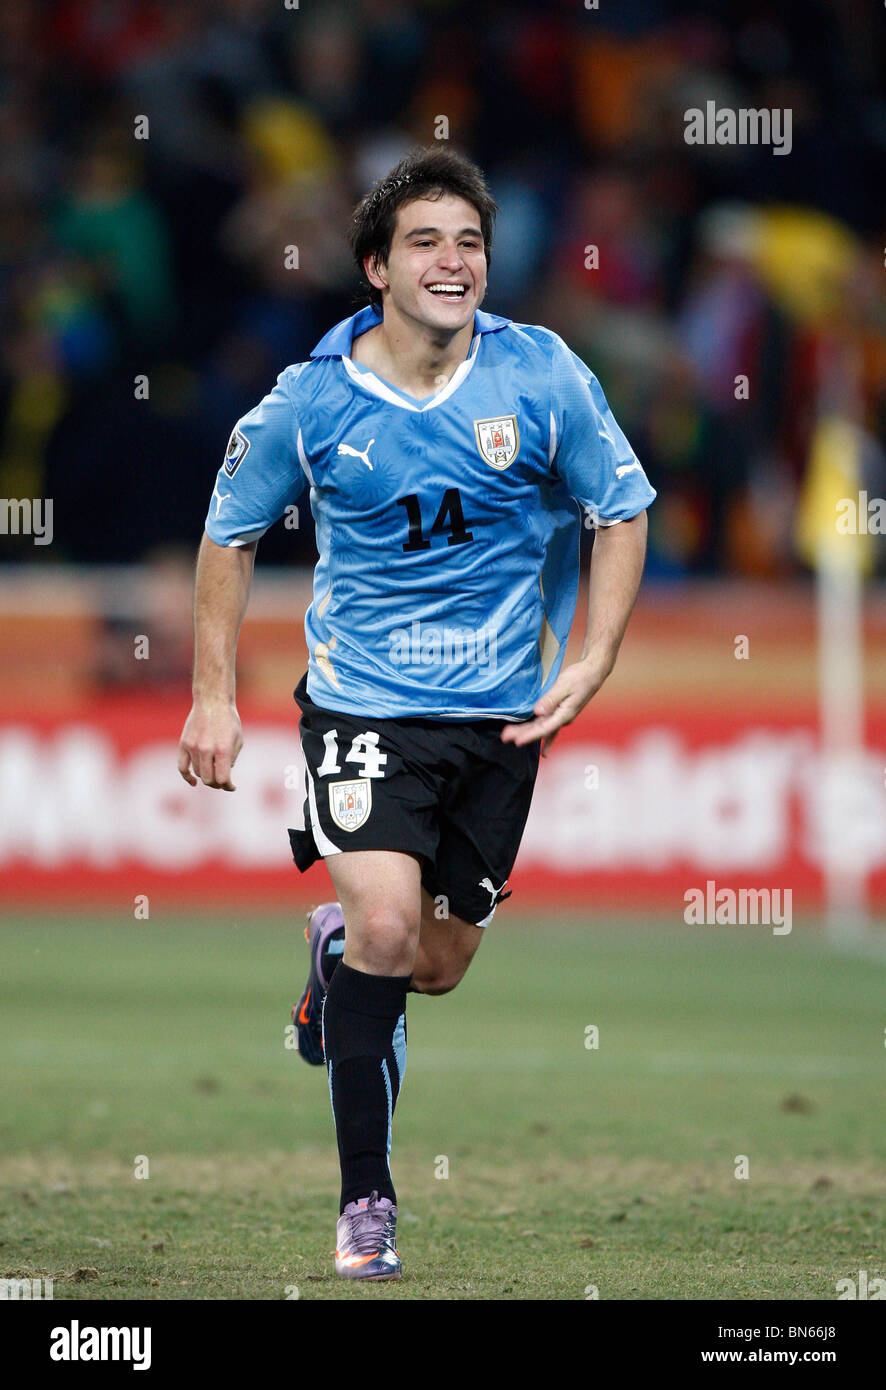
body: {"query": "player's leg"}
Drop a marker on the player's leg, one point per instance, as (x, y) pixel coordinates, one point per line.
(482, 815)
(364, 1036)
(446, 947)
(390, 810)
(380, 895)
(481, 826)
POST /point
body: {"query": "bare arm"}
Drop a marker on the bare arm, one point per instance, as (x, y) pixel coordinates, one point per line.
(616, 571)
(212, 737)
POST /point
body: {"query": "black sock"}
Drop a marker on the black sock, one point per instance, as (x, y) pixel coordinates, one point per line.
(364, 1041)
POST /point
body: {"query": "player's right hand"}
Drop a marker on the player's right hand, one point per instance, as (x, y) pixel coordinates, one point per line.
(210, 742)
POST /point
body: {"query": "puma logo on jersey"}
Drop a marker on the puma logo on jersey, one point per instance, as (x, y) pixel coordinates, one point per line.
(358, 453)
(626, 468)
(219, 498)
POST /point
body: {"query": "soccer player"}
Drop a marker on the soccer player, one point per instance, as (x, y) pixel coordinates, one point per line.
(450, 455)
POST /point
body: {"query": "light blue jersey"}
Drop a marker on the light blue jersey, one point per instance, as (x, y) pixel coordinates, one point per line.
(447, 528)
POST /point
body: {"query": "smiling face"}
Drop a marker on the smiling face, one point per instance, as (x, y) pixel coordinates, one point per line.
(435, 274)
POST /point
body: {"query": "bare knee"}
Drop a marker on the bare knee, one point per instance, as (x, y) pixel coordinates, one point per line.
(436, 981)
(439, 971)
(382, 940)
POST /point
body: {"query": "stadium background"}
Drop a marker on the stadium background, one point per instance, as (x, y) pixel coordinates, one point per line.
(147, 304)
(155, 267)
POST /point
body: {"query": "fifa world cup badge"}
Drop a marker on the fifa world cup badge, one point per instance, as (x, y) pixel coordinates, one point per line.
(238, 448)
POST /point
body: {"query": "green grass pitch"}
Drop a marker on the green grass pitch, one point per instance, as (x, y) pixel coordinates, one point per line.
(570, 1168)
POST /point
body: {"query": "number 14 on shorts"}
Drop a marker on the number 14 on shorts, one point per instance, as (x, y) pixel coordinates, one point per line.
(363, 751)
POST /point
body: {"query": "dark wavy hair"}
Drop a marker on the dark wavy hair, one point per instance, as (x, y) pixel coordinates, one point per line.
(426, 172)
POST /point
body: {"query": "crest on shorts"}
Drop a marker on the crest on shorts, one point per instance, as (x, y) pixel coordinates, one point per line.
(498, 440)
(238, 448)
(350, 802)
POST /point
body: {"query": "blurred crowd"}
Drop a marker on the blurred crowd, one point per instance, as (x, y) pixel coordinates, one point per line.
(158, 158)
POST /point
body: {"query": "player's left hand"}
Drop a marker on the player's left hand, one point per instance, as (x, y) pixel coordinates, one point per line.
(569, 694)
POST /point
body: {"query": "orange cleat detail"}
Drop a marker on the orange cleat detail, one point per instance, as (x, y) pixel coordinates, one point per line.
(303, 1016)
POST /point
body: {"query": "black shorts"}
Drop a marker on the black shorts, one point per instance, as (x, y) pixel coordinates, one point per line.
(450, 792)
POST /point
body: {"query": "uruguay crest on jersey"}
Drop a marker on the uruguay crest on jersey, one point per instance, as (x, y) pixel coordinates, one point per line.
(498, 440)
(350, 802)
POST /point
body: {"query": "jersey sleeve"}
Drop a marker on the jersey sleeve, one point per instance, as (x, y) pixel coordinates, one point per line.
(261, 474)
(588, 450)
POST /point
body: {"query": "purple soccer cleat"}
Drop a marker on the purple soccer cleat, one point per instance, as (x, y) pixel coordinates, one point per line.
(326, 934)
(366, 1235)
